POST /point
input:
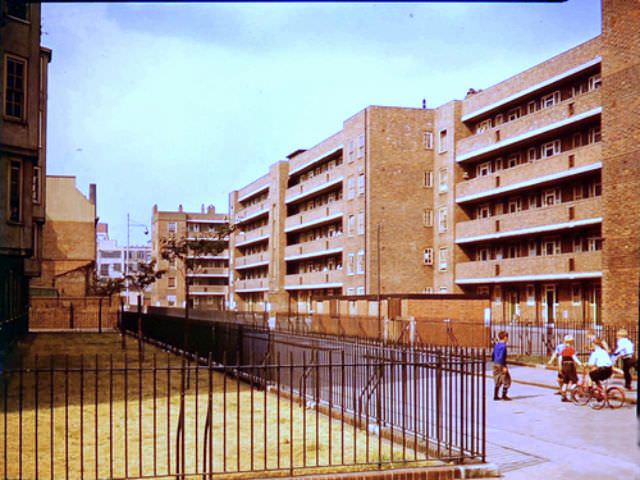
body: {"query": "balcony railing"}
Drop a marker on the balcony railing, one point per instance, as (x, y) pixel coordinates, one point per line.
(252, 212)
(565, 266)
(252, 259)
(328, 279)
(257, 284)
(208, 289)
(209, 272)
(313, 217)
(524, 175)
(255, 235)
(314, 248)
(564, 110)
(510, 224)
(314, 184)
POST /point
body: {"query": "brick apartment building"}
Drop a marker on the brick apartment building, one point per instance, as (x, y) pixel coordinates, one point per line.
(504, 193)
(23, 80)
(209, 285)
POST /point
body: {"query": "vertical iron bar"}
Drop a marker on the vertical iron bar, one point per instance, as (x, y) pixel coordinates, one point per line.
(342, 400)
(20, 406)
(111, 415)
(265, 374)
(224, 411)
(140, 438)
(196, 366)
(81, 415)
(66, 416)
(291, 413)
(317, 404)
(36, 387)
(278, 376)
(211, 414)
(304, 409)
(251, 372)
(5, 399)
(416, 385)
(330, 402)
(168, 413)
(484, 405)
(155, 415)
(126, 416)
(238, 413)
(95, 420)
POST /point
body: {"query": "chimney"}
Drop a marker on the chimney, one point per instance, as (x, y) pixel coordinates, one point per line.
(180, 208)
(92, 193)
(424, 103)
(202, 208)
(211, 209)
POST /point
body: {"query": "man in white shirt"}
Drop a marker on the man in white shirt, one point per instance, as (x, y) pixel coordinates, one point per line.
(599, 362)
(624, 350)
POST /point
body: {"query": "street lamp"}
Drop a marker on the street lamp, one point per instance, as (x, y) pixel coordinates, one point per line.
(126, 255)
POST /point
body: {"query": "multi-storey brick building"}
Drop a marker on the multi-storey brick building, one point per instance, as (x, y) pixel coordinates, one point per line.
(513, 192)
(209, 277)
(111, 257)
(23, 80)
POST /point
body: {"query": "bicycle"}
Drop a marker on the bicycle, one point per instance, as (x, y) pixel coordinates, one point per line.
(598, 396)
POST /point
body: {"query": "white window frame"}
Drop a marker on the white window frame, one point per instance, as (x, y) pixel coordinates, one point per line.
(532, 154)
(443, 259)
(443, 290)
(483, 211)
(171, 280)
(443, 141)
(551, 196)
(483, 254)
(351, 154)
(361, 145)
(514, 114)
(428, 179)
(483, 126)
(360, 291)
(361, 183)
(427, 256)
(443, 180)
(594, 135)
(428, 140)
(360, 223)
(360, 262)
(594, 82)
(351, 188)
(172, 227)
(593, 243)
(442, 219)
(171, 300)
(513, 160)
(514, 205)
(531, 107)
(551, 99)
(550, 149)
(25, 83)
(554, 242)
(350, 263)
(350, 291)
(497, 294)
(428, 217)
(576, 294)
(483, 169)
(351, 225)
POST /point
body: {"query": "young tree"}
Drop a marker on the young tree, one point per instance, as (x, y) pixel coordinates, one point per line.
(184, 252)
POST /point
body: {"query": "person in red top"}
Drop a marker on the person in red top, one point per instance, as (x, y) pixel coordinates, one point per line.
(567, 361)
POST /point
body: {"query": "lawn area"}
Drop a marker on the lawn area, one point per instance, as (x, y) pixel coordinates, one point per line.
(86, 408)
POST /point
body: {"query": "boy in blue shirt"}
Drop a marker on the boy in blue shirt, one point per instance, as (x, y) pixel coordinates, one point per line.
(501, 375)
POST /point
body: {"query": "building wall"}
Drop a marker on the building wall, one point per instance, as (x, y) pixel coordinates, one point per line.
(621, 152)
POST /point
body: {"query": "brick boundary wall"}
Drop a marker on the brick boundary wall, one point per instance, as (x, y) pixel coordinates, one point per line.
(73, 313)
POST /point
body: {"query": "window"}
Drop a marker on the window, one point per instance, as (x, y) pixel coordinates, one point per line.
(531, 295)
(443, 290)
(499, 120)
(443, 180)
(360, 262)
(172, 227)
(594, 189)
(361, 146)
(497, 294)
(532, 154)
(361, 184)
(428, 179)
(576, 294)
(427, 256)
(551, 197)
(483, 126)
(171, 300)
(443, 259)
(15, 190)
(514, 205)
(533, 201)
(577, 245)
(577, 140)
(531, 107)
(428, 140)
(117, 267)
(171, 282)
(351, 189)
(360, 290)
(351, 225)
(104, 270)
(442, 144)
(513, 114)
(483, 169)
(17, 9)
(15, 87)
(483, 211)
(484, 291)
(551, 99)
(360, 223)
(428, 290)
(533, 248)
(578, 191)
(551, 148)
(350, 291)
(595, 81)
(37, 184)
(594, 244)
(482, 254)
(550, 247)
(352, 151)
(350, 263)
(595, 135)
(442, 219)
(428, 217)
(513, 160)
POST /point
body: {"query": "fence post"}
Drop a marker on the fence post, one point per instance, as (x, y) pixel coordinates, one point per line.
(140, 346)
(121, 324)
(71, 325)
(100, 315)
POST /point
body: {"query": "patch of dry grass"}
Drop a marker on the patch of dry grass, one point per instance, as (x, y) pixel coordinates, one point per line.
(124, 422)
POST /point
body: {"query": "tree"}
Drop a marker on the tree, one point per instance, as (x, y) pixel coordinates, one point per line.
(185, 251)
(145, 275)
(106, 287)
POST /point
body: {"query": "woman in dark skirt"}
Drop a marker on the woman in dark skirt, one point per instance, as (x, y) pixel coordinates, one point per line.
(568, 361)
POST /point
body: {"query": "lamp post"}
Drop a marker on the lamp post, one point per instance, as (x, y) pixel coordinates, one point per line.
(126, 253)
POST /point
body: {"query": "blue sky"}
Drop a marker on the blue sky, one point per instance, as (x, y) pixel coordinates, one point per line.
(182, 103)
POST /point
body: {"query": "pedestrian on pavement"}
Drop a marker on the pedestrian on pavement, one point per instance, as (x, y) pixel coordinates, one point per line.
(624, 350)
(556, 355)
(592, 337)
(600, 364)
(567, 362)
(501, 375)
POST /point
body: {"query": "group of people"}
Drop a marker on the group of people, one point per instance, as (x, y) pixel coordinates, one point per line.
(601, 363)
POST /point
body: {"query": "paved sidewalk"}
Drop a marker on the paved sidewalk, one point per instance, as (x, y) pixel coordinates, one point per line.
(540, 376)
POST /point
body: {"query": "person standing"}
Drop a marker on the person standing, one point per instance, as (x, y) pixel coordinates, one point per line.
(624, 350)
(556, 355)
(501, 375)
(568, 361)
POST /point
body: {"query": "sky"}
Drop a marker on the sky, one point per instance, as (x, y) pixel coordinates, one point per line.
(170, 103)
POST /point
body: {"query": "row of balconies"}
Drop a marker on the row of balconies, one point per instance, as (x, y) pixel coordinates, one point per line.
(561, 111)
(579, 210)
(252, 284)
(251, 259)
(295, 222)
(512, 177)
(543, 266)
(310, 279)
(209, 272)
(246, 238)
(251, 212)
(313, 184)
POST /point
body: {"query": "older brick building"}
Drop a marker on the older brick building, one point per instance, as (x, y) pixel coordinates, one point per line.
(23, 79)
(209, 277)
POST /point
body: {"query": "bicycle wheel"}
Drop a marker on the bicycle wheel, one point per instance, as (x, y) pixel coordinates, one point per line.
(615, 397)
(597, 400)
(580, 395)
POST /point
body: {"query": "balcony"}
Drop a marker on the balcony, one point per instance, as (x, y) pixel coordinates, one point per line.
(256, 259)
(543, 121)
(251, 285)
(209, 272)
(313, 217)
(314, 185)
(224, 255)
(315, 248)
(558, 217)
(252, 212)
(546, 170)
(313, 280)
(208, 289)
(253, 236)
(567, 266)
